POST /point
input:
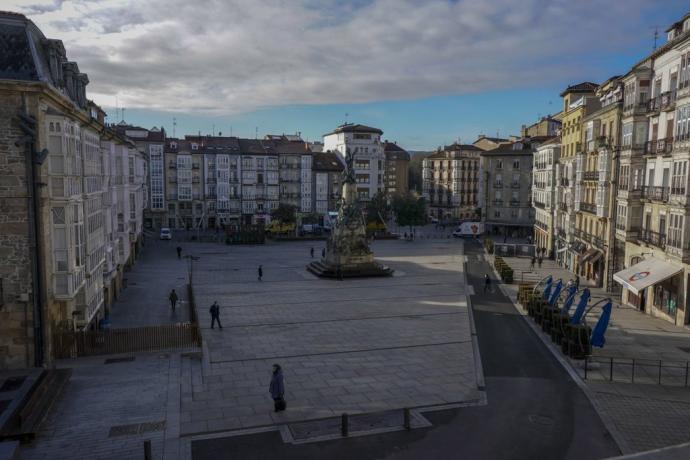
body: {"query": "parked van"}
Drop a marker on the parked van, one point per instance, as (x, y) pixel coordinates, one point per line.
(469, 229)
(165, 234)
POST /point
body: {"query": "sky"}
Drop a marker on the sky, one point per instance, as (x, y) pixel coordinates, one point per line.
(426, 72)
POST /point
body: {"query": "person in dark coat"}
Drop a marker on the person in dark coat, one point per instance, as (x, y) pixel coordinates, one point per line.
(323, 253)
(173, 299)
(277, 388)
(260, 272)
(540, 260)
(179, 252)
(311, 252)
(487, 283)
(577, 282)
(215, 315)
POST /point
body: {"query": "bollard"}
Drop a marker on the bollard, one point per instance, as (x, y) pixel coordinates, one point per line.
(406, 418)
(147, 449)
(344, 425)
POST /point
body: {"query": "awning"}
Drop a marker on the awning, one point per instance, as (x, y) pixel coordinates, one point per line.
(592, 256)
(646, 273)
(596, 257)
(563, 249)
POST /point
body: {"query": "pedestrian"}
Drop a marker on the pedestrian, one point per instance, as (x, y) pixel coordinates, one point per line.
(215, 315)
(311, 252)
(260, 272)
(179, 252)
(323, 253)
(577, 281)
(487, 283)
(539, 261)
(339, 272)
(534, 260)
(173, 299)
(277, 388)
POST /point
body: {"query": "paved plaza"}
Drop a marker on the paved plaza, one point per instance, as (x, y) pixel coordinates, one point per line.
(358, 345)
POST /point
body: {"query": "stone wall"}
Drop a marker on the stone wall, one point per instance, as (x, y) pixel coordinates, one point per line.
(16, 312)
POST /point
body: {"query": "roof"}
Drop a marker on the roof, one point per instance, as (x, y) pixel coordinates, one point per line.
(289, 147)
(26, 54)
(495, 140)
(584, 87)
(520, 148)
(394, 152)
(354, 128)
(256, 147)
(678, 23)
(455, 147)
(327, 161)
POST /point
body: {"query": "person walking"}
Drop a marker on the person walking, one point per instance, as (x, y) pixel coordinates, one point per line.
(323, 253)
(215, 315)
(260, 272)
(311, 252)
(487, 283)
(173, 299)
(540, 260)
(179, 252)
(277, 388)
(534, 260)
(577, 282)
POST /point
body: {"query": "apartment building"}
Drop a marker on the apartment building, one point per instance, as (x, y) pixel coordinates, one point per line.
(578, 101)
(327, 172)
(505, 195)
(364, 143)
(56, 197)
(595, 165)
(653, 185)
(450, 182)
(397, 168)
(544, 192)
(548, 126)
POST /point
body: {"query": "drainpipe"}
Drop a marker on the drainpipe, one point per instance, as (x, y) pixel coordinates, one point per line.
(28, 125)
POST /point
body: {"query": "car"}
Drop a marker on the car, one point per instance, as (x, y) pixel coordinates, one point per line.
(166, 234)
(433, 220)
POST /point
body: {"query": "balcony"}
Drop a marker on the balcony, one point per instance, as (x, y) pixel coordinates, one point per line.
(655, 193)
(561, 233)
(627, 234)
(654, 238)
(564, 182)
(668, 100)
(539, 204)
(541, 225)
(562, 206)
(498, 202)
(588, 207)
(659, 146)
(678, 249)
(635, 109)
(590, 175)
(498, 184)
(172, 165)
(515, 203)
(515, 185)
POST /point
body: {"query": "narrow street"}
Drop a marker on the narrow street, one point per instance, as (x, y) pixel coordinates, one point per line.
(534, 409)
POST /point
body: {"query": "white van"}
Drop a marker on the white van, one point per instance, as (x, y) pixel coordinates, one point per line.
(166, 234)
(469, 229)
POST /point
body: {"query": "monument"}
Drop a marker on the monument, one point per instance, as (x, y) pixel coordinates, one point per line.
(347, 249)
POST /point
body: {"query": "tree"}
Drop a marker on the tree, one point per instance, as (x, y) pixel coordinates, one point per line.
(377, 208)
(284, 213)
(409, 210)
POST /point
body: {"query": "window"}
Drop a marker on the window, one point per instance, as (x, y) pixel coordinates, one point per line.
(516, 164)
(497, 214)
(499, 164)
(362, 136)
(195, 146)
(675, 231)
(624, 179)
(679, 178)
(627, 133)
(683, 123)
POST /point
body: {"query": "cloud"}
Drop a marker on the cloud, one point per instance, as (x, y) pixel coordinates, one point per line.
(232, 56)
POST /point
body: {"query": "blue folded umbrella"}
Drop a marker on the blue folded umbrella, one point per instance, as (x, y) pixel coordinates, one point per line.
(569, 299)
(556, 292)
(547, 290)
(580, 309)
(599, 330)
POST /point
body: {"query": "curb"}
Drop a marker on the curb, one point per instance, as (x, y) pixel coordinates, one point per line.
(606, 420)
(478, 369)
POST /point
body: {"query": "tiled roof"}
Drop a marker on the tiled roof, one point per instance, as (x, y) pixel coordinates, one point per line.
(354, 128)
(394, 152)
(327, 161)
(584, 87)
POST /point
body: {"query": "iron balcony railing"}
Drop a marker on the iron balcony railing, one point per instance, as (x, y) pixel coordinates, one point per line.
(659, 146)
(590, 175)
(656, 193)
(588, 207)
(654, 238)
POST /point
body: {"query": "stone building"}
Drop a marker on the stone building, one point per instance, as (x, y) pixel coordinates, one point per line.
(595, 165)
(505, 186)
(397, 168)
(364, 142)
(548, 126)
(451, 182)
(544, 177)
(653, 220)
(327, 171)
(56, 194)
(578, 101)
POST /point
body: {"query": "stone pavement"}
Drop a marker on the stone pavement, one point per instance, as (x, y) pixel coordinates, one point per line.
(359, 345)
(646, 415)
(106, 411)
(144, 302)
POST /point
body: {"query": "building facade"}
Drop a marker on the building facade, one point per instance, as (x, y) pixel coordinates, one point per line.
(60, 200)
(544, 177)
(451, 182)
(578, 101)
(506, 190)
(397, 169)
(364, 143)
(327, 181)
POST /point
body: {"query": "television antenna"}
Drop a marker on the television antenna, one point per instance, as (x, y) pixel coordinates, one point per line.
(656, 35)
(174, 126)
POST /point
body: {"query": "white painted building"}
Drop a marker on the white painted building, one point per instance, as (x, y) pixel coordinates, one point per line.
(364, 143)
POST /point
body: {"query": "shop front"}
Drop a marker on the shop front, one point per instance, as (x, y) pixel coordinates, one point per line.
(591, 265)
(654, 286)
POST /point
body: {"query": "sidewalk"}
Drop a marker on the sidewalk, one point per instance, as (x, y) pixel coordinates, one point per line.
(646, 415)
(144, 302)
